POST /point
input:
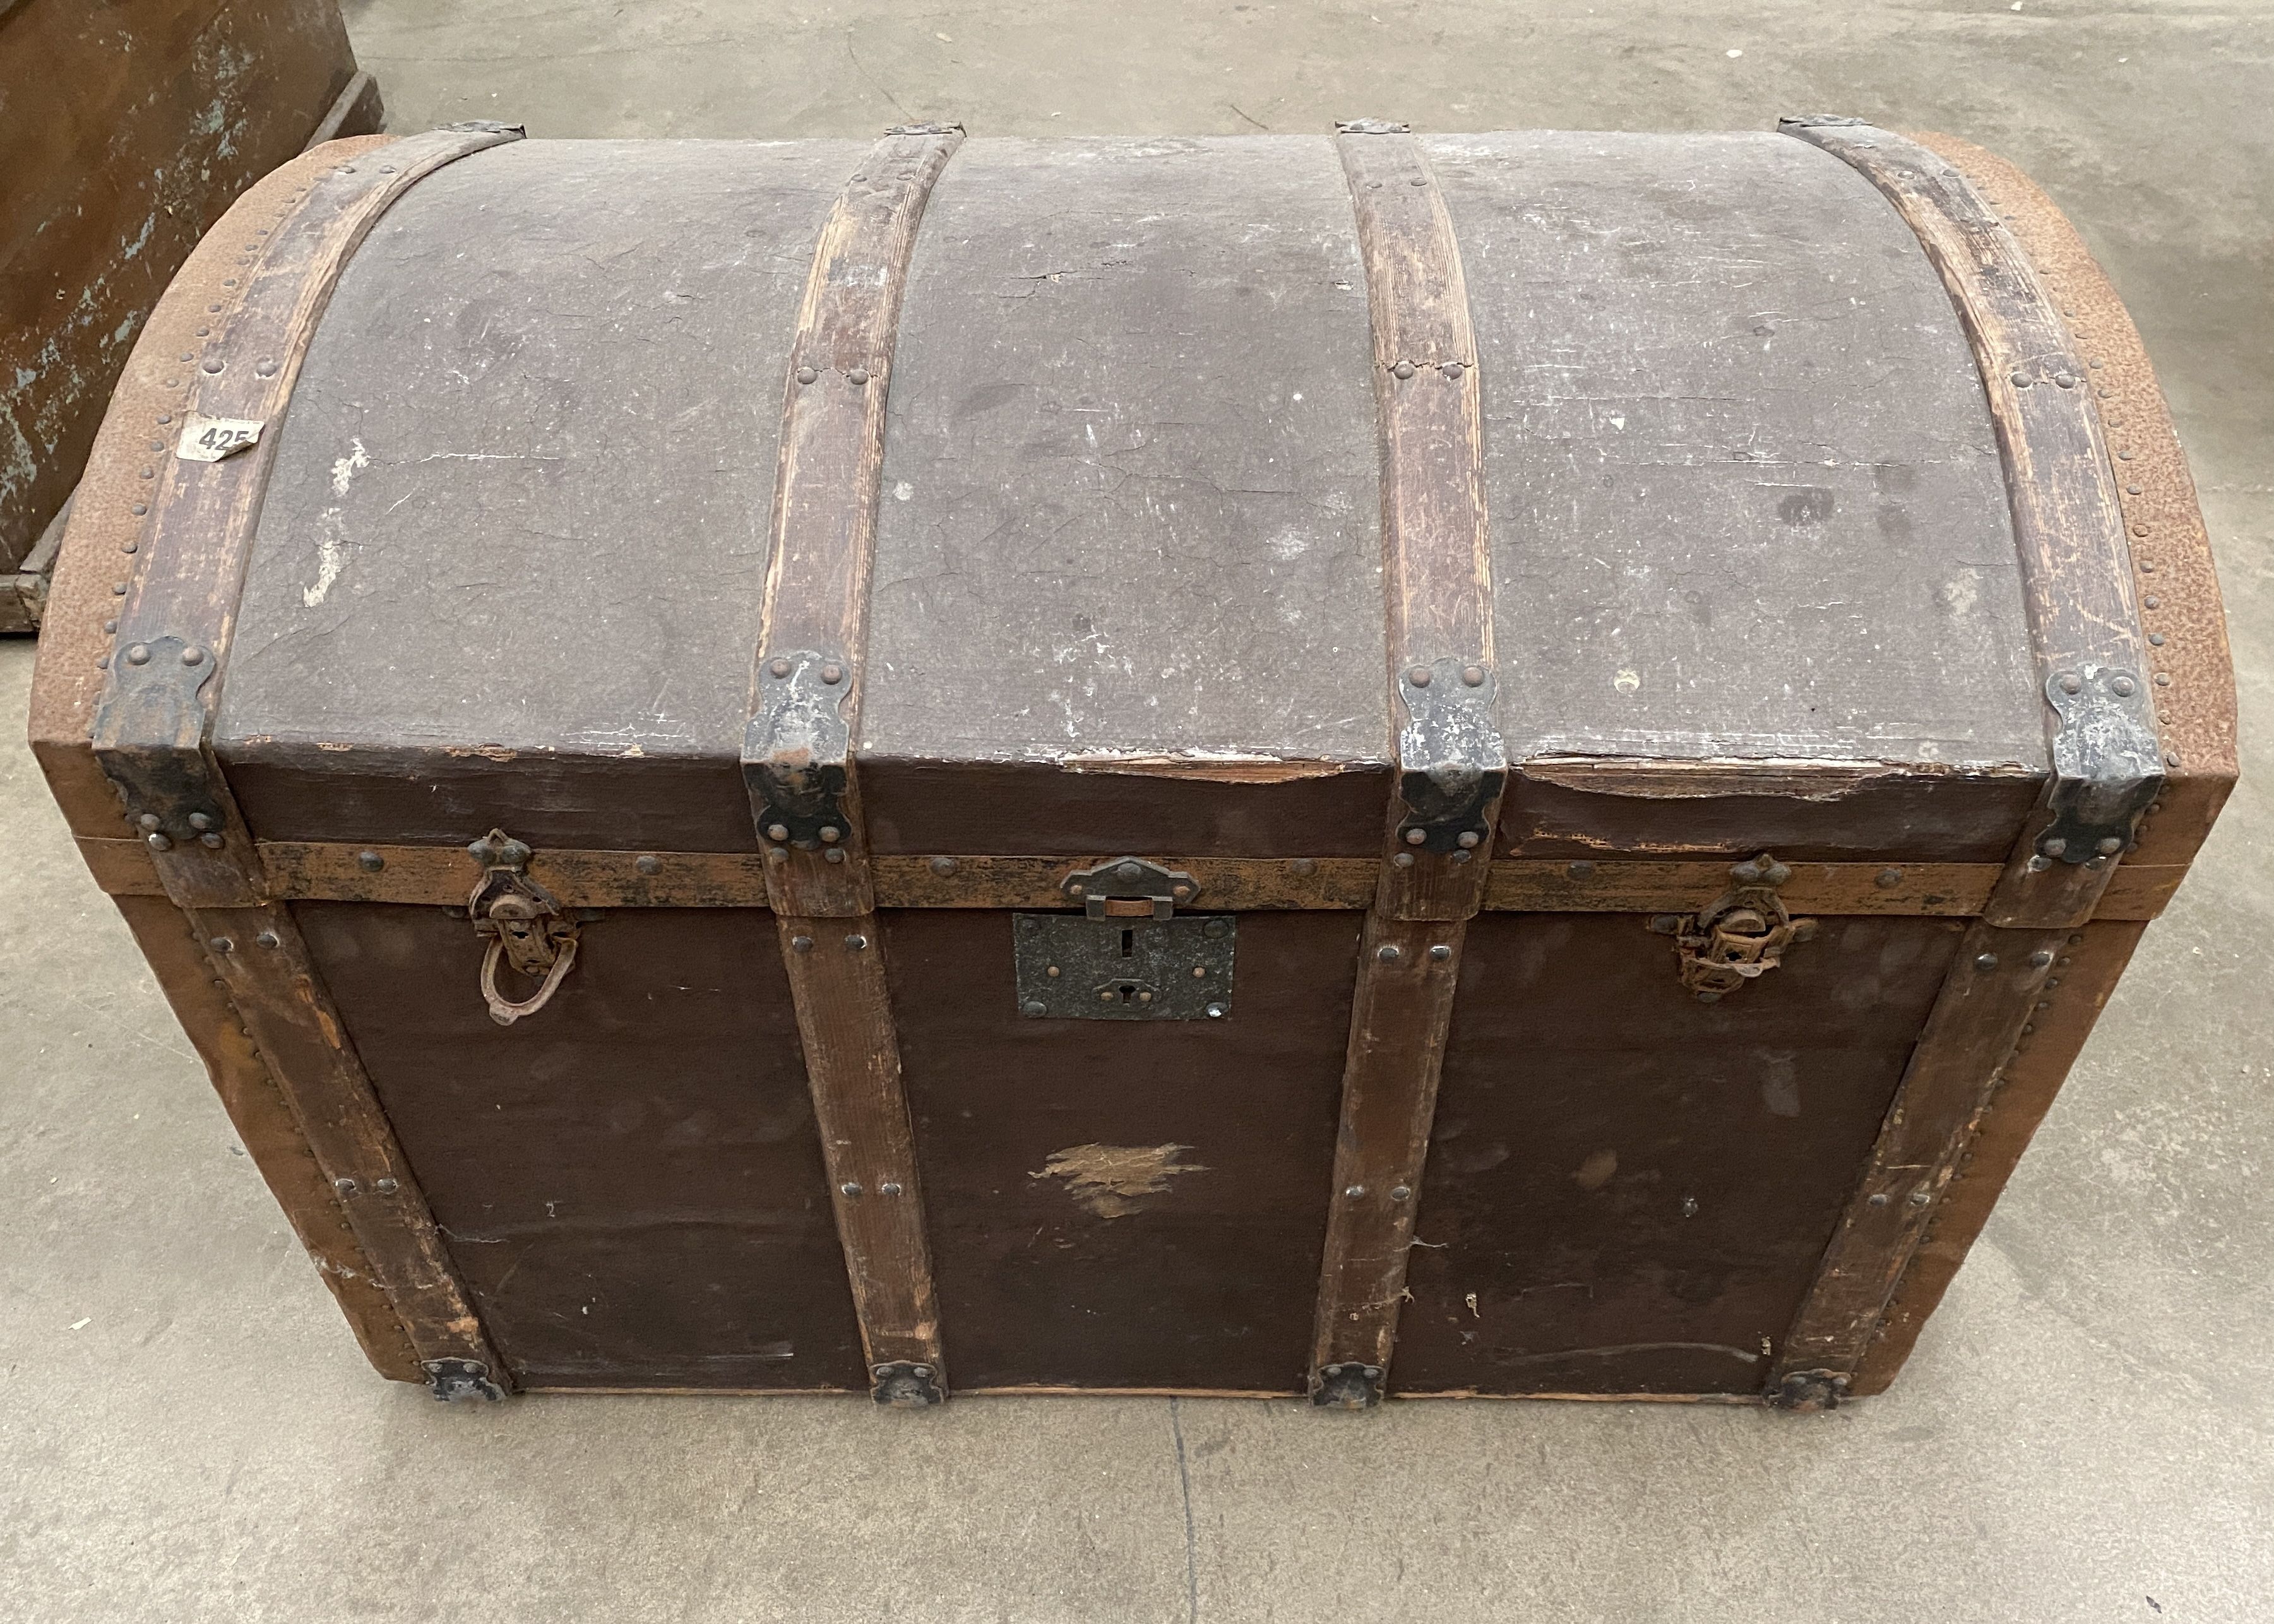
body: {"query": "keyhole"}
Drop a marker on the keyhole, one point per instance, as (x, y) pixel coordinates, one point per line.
(1128, 994)
(1129, 944)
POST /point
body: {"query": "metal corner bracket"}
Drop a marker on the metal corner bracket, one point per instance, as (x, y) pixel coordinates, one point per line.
(903, 1383)
(1349, 1385)
(461, 1382)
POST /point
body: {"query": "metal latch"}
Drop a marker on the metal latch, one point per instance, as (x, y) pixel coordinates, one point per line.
(1129, 955)
(1740, 935)
(523, 924)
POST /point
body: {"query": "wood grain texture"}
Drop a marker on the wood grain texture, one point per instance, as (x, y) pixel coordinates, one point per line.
(270, 1132)
(1408, 972)
(2084, 972)
(814, 625)
(150, 729)
(2181, 607)
(2068, 526)
(119, 158)
(303, 870)
(1984, 1010)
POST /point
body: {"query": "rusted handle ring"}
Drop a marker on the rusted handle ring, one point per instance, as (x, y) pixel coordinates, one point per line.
(504, 1011)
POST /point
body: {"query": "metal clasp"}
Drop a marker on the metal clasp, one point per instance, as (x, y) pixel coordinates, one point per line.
(1129, 888)
(1129, 955)
(522, 925)
(1740, 935)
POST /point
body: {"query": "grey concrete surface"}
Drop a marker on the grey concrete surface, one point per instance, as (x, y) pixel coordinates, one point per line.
(187, 1432)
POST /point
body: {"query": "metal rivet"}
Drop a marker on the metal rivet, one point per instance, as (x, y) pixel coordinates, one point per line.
(943, 865)
(1580, 870)
(2065, 381)
(1053, 972)
(1452, 370)
(345, 1186)
(2162, 679)
(835, 854)
(2171, 760)
(1467, 837)
(371, 861)
(1401, 1192)
(102, 662)
(1920, 1198)
(2069, 683)
(213, 842)
(1416, 837)
(1879, 1199)
(1403, 860)
(201, 820)
(1129, 871)
(1441, 953)
(1387, 953)
(1216, 1011)
(1305, 866)
(855, 942)
(222, 944)
(138, 655)
(159, 843)
(268, 938)
(1403, 369)
(780, 668)
(858, 376)
(194, 657)
(832, 674)
(2156, 639)
(2110, 844)
(2041, 958)
(1886, 879)
(1474, 675)
(649, 864)
(211, 308)
(2054, 848)
(1033, 1006)
(2021, 381)
(131, 546)
(118, 589)
(831, 834)
(215, 366)
(265, 366)
(386, 1186)
(148, 820)
(801, 944)
(805, 374)
(1419, 676)
(1986, 961)
(1106, 997)
(920, 1369)
(2124, 688)
(1199, 973)
(141, 507)
(2139, 530)
(849, 1188)
(111, 626)
(892, 1188)
(2096, 862)
(1354, 1191)
(776, 831)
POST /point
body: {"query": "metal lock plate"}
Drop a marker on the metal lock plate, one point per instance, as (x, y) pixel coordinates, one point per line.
(1074, 968)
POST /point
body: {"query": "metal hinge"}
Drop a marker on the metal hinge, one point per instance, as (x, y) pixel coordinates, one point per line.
(1129, 955)
(1740, 935)
(522, 925)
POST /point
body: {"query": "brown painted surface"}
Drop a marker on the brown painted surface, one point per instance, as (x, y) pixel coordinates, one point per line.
(118, 160)
(1633, 1187)
(630, 1181)
(1208, 1283)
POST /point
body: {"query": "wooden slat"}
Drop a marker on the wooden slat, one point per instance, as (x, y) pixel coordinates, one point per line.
(152, 726)
(1451, 764)
(1993, 987)
(805, 696)
(2077, 586)
(2069, 523)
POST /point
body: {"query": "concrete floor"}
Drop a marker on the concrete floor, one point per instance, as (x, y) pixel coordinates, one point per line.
(187, 1433)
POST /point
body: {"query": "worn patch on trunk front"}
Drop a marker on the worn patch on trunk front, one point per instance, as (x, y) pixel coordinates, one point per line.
(1112, 1180)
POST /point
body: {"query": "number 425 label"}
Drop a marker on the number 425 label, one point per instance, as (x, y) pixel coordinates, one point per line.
(208, 439)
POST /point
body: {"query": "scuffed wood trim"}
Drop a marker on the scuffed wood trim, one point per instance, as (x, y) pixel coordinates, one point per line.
(1994, 986)
(815, 623)
(2177, 582)
(2084, 973)
(300, 871)
(2068, 527)
(151, 727)
(270, 1132)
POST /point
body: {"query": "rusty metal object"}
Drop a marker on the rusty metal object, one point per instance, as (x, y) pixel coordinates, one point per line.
(522, 925)
(1740, 935)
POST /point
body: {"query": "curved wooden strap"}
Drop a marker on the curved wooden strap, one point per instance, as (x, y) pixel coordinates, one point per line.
(798, 750)
(151, 727)
(2068, 523)
(1451, 764)
(2107, 760)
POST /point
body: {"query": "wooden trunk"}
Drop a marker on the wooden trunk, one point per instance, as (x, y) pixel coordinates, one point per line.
(1360, 765)
(129, 126)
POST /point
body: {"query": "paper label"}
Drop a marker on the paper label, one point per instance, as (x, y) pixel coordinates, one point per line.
(208, 439)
